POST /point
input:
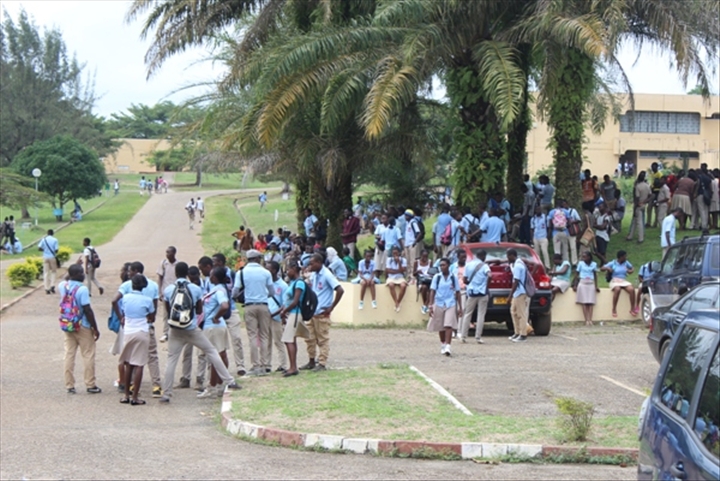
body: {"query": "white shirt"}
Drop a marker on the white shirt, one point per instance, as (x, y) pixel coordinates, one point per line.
(668, 225)
(200, 204)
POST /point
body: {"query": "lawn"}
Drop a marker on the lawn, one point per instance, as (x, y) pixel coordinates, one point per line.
(392, 402)
(186, 181)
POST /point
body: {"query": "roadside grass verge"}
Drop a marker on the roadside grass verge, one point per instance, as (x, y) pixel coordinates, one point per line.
(391, 402)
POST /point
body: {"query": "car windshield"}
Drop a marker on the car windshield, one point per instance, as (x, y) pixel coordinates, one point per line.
(498, 254)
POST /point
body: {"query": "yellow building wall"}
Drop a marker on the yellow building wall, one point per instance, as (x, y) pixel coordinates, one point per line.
(603, 151)
(131, 157)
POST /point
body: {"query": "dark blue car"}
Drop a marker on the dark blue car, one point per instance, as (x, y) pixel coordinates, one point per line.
(680, 421)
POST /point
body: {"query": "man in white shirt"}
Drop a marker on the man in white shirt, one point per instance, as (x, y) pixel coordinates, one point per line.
(667, 233)
(411, 239)
(201, 208)
(87, 260)
(49, 246)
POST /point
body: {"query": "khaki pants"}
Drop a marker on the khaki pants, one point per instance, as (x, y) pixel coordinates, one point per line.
(541, 247)
(638, 223)
(276, 332)
(650, 208)
(176, 343)
(166, 316)
(257, 323)
(700, 213)
(90, 279)
(519, 312)
(153, 362)
(235, 332)
(351, 247)
(471, 303)
(561, 244)
(411, 253)
(661, 212)
(84, 340)
(319, 329)
(49, 271)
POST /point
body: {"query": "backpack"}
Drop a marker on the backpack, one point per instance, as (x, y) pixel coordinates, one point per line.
(70, 312)
(228, 312)
(420, 231)
(439, 276)
(308, 303)
(559, 219)
(182, 307)
(446, 237)
(94, 258)
(529, 284)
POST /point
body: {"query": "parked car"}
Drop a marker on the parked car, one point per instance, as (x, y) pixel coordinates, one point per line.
(686, 264)
(501, 282)
(664, 321)
(679, 425)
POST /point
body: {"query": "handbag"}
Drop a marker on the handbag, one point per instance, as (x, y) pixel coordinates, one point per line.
(573, 229)
(588, 237)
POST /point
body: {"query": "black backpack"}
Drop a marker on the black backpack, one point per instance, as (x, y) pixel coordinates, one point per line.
(420, 233)
(94, 259)
(308, 303)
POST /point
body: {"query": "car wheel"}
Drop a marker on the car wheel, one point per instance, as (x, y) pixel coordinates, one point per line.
(645, 309)
(542, 324)
(664, 348)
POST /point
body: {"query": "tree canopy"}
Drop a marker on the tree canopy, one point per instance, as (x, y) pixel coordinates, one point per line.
(70, 170)
(160, 121)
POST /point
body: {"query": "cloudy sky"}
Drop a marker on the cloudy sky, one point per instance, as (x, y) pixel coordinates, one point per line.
(113, 50)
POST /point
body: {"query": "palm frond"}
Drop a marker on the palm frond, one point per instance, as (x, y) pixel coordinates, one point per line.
(393, 87)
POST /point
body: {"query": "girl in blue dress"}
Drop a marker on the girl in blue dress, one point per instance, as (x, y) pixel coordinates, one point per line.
(585, 285)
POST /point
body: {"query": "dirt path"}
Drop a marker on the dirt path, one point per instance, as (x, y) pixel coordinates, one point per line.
(47, 433)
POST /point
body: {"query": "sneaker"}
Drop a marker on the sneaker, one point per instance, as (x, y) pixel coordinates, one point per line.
(241, 372)
(319, 368)
(199, 387)
(94, 390)
(47, 292)
(71, 391)
(116, 383)
(157, 392)
(280, 369)
(52, 289)
(163, 339)
(165, 399)
(513, 337)
(442, 348)
(397, 308)
(233, 386)
(208, 392)
(308, 367)
(258, 371)
(183, 384)
(447, 350)
(480, 341)
(374, 304)
(121, 388)
(462, 339)
(520, 339)
(361, 305)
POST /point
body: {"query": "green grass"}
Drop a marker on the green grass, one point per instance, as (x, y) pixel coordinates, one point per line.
(185, 181)
(392, 402)
(221, 219)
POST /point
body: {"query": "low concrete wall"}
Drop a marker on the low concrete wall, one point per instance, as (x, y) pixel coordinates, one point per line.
(564, 308)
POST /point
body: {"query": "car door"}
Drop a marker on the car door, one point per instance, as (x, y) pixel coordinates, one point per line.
(704, 297)
(669, 447)
(663, 285)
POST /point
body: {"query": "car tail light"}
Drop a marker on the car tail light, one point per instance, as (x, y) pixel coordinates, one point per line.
(543, 282)
(543, 301)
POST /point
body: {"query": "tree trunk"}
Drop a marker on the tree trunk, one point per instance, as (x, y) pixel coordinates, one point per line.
(331, 203)
(567, 123)
(198, 174)
(517, 140)
(24, 212)
(302, 199)
(479, 145)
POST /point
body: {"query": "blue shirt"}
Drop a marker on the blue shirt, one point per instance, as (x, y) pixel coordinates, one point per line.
(538, 223)
(550, 220)
(519, 271)
(645, 270)
(586, 271)
(366, 270)
(195, 292)
(619, 271)
(211, 306)
(49, 246)
(309, 224)
(391, 236)
(324, 284)
(258, 283)
(339, 268)
(136, 308)
(289, 295)
(442, 222)
(150, 291)
(548, 192)
(445, 289)
(494, 229)
(305, 259)
(82, 297)
(279, 286)
(566, 275)
(479, 282)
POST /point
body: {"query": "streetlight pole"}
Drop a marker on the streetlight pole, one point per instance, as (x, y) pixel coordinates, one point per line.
(36, 173)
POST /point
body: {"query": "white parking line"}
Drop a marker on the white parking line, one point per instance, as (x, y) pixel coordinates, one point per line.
(565, 337)
(624, 386)
(442, 391)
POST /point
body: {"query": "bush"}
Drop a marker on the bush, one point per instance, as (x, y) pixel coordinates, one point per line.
(575, 418)
(37, 262)
(63, 254)
(21, 274)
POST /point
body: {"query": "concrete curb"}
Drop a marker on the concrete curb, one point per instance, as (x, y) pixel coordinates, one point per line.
(467, 450)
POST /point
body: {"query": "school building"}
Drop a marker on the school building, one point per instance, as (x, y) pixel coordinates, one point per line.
(662, 127)
(131, 157)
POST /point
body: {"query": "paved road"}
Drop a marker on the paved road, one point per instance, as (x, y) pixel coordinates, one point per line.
(46, 433)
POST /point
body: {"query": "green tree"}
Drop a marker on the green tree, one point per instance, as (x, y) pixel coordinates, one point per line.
(43, 92)
(160, 121)
(17, 191)
(70, 170)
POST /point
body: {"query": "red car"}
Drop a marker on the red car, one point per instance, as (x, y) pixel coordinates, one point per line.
(501, 283)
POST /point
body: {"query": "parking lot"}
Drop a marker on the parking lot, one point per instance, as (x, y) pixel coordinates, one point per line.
(609, 366)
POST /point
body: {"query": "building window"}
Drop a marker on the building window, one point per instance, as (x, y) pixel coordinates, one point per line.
(660, 122)
(668, 154)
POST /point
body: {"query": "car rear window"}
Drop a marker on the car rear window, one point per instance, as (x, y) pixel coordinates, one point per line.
(498, 254)
(687, 360)
(707, 420)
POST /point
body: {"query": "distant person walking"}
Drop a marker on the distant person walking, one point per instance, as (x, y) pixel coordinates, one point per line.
(200, 208)
(116, 187)
(143, 185)
(445, 305)
(91, 261)
(49, 246)
(85, 333)
(190, 208)
(262, 198)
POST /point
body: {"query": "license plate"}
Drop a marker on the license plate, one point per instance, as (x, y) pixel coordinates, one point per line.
(500, 301)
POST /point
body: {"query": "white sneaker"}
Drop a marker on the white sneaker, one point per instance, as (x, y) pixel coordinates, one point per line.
(207, 393)
(424, 309)
(447, 350)
(163, 339)
(462, 339)
(361, 305)
(480, 341)
(397, 309)
(374, 304)
(442, 349)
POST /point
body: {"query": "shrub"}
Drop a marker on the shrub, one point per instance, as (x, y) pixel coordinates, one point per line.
(21, 274)
(37, 262)
(575, 418)
(64, 253)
